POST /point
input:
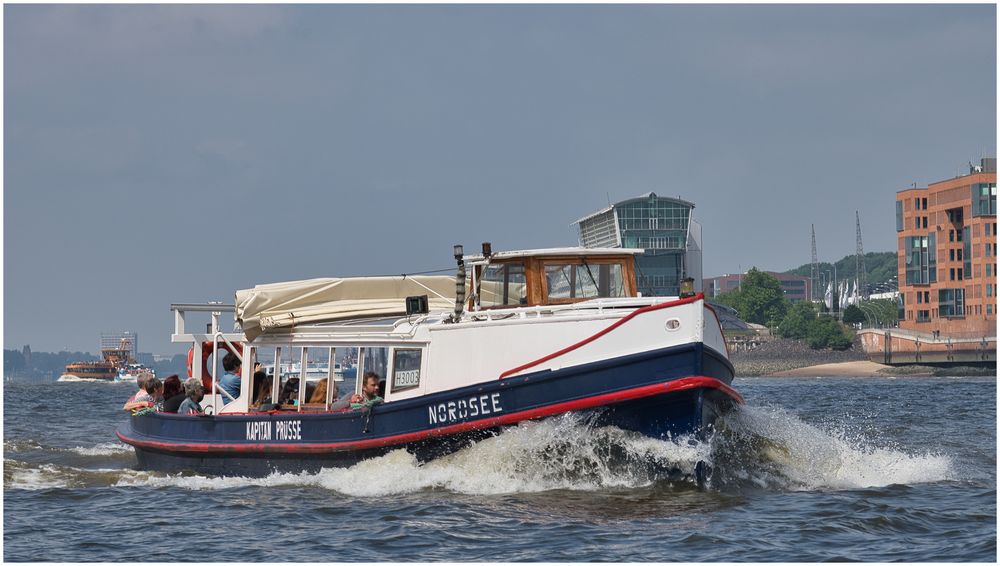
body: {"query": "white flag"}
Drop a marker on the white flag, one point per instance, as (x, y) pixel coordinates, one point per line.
(828, 298)
(842, 295)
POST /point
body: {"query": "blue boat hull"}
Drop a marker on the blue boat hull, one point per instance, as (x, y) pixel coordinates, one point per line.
(663, 393)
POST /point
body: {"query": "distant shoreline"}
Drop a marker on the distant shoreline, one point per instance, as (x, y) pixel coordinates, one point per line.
(793, 358)
(858, 368)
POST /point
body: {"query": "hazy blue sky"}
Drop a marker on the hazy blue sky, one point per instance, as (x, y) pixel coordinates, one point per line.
(157, 154)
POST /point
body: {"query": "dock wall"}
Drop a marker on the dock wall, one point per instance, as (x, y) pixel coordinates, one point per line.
(894, 346)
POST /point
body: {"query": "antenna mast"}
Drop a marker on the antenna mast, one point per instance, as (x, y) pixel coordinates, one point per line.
(859, 262)
(814, 267)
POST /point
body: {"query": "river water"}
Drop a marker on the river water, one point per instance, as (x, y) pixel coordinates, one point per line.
(869, 469)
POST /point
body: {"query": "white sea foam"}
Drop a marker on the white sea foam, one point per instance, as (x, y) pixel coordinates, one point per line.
(105, 449)
(66, 378)
(559, 453)
(765, 447)
(31, 478)
(774, 448)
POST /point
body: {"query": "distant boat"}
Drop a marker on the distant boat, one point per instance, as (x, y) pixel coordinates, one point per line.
(116, 365)
(131, 372)
(90, 371)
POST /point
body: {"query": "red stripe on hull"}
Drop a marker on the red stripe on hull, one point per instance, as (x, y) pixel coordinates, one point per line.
(512, 418)
(590, 339)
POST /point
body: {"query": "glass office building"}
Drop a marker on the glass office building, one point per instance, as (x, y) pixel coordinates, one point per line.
(660, 225)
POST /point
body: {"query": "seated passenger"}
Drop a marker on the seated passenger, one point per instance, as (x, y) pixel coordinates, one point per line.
(173, 394)
(319, 394)
(195, 393)
(289, 391)
(147, 397)
(369, 392)
(230, 380)
(141, 382)
(261, 388)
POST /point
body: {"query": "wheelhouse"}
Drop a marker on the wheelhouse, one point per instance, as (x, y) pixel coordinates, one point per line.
(551, 277)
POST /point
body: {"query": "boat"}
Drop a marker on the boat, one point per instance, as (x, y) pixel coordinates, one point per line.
(129, 373)
(90, 371)
(116, 364)
(525, 335)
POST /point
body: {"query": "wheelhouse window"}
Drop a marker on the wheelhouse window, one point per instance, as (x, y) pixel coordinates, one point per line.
(568, 281)
(405, 369)
(503, 285)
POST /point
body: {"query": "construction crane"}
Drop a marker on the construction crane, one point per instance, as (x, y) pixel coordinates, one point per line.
(814, 267)
(859, 262)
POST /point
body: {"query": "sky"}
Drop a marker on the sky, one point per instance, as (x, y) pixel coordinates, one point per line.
(158, 154)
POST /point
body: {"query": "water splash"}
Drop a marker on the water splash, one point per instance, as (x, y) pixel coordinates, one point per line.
(753, 448)
(105, 449)
(30, 476)
(558, 453)
(771, 448)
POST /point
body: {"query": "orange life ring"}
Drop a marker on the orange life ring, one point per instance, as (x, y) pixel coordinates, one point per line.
(206, 351)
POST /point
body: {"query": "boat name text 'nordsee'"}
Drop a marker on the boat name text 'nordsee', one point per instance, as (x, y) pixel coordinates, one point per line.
(452, 411)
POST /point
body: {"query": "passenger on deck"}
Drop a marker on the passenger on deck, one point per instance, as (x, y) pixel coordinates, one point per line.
(195, 393)
(131, 403)
(173, 394)
(319, 394)
(369, 392)
(146, 396)
(154, 387)
(230, 380)
(261, 386)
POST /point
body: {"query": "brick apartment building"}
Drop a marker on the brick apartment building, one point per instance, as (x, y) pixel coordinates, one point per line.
(947, 251)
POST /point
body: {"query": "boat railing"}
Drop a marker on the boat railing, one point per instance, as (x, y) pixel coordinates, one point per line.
(212, 334)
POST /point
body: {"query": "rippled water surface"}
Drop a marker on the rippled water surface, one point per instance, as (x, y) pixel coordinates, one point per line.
(809, 470)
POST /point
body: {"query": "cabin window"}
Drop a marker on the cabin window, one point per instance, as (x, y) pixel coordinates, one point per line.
(405, 369)
(575, 281)
(503, 284)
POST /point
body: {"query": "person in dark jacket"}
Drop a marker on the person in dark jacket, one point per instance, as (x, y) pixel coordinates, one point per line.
(173, 394)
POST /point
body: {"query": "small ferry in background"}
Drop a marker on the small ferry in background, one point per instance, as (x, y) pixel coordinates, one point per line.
(528, 335)
(93, 371)
(117, 362)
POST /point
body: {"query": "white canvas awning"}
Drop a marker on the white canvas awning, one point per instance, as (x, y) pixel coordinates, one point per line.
(283, 305)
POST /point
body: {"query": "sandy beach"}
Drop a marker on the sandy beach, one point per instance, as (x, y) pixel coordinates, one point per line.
(861, 368)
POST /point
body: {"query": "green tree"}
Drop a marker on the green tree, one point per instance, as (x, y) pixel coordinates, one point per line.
(763, 301)
(853, 314)
(797, 321)
(826, 332)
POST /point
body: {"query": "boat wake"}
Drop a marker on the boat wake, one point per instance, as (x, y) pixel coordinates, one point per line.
(75, 379)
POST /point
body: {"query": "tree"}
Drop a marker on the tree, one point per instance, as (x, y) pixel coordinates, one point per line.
(853, 314)
(761, 299)
(825, 332)
(796, 323)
